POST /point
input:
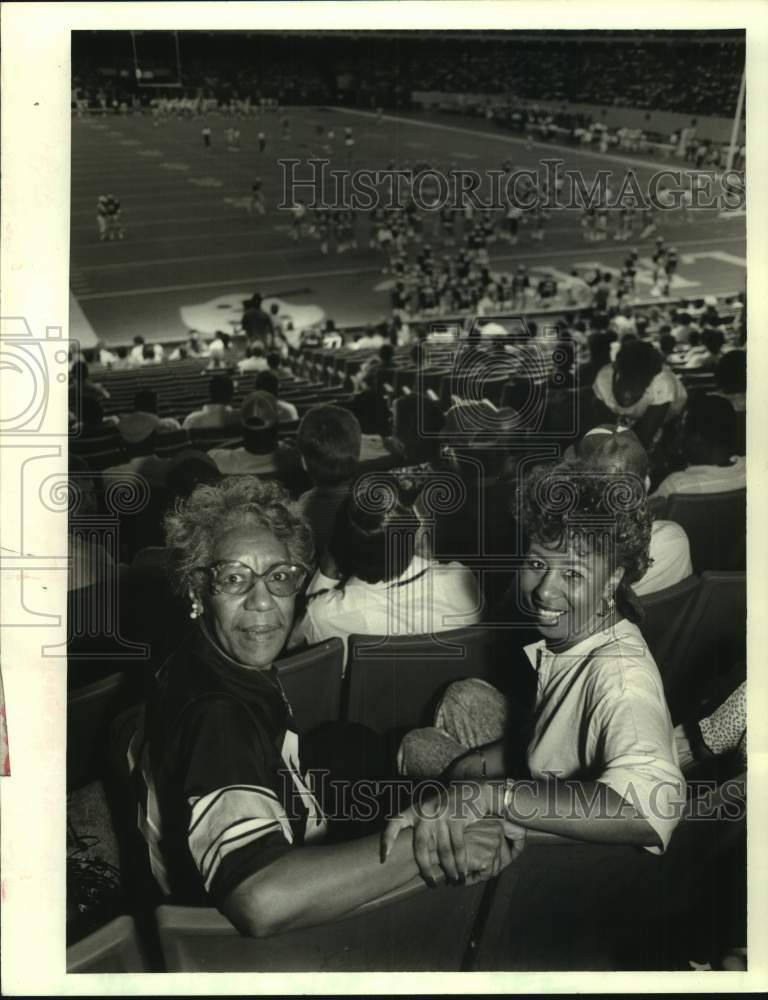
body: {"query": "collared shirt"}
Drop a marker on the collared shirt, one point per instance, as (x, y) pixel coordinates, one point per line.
(670, 553)
(601, 716)
(706, 479)
(429, 597)
(212, 415)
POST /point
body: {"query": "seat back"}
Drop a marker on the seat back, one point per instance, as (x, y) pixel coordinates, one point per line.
(113, 948)
(712, 641)
(90, 711)
(716, 525)
(425, 932)
(394, 682)
(666, 613)
(170, 443)
(311, 680)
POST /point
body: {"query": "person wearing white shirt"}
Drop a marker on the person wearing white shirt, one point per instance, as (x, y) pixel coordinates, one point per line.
(136, 356)
(218, 412)
(598, 756)
(619, 451)
(368, 585)
(254, 360)
(258, 425)
(709, 434)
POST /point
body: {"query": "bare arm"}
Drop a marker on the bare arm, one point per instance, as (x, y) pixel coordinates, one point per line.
(312, 885)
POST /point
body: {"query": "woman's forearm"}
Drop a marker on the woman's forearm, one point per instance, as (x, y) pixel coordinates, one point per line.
(577, 810)
(312, 885)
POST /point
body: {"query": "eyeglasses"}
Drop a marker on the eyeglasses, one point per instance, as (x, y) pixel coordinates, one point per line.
(236, 579)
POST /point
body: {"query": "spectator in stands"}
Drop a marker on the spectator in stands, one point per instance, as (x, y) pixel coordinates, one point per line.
(219, 352)
(122, 361)
(381, 366)
(137, 351)
(267, 381)
(332, 339)
(683, 328)
(708, 440)
(369, 584)
(593, 710)
(696, 354)
(416, 425)
(221, 742)
(140, 440)
(258, 426)
(92, 423)
(218, 412)
(274, 364)
(152, 354)
(256, 323)
(712, 343)
(145, 406)
(731, 378)
(254, 360)
(370, 406)
(189, 469)
(624, 321)
(668, 348)
(599, 356)
(191, 348)
(640, 389)
(329, 440)
(81, 385)
(619, 451)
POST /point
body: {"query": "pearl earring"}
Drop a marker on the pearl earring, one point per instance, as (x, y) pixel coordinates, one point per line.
(607, 607)
(196, 610)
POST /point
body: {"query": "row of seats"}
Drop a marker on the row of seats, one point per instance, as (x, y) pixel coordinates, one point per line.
(696, 631)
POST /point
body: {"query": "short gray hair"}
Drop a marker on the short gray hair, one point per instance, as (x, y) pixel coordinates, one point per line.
(196, 523)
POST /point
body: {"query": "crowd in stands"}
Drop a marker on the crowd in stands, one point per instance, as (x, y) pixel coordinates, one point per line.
(244, 69)
(381, 484)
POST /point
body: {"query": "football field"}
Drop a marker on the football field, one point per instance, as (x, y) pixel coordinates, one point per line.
(192, 251)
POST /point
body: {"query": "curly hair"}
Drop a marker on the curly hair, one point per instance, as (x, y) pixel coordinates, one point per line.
(196, 523)
(597, 511)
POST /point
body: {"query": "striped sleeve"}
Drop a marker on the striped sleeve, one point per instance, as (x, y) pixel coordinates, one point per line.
(236, 823)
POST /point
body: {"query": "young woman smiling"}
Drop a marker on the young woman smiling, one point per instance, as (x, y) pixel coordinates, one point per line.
(600, 758)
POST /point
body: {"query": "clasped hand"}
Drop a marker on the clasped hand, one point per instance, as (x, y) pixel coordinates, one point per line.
(454, 835)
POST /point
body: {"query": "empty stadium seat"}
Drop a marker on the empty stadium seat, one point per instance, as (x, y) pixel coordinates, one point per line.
(428, 931)
(311, 680)
(394, 682)
(712, 640)
(666, 613)
(113, 948)
(716, 525)
(90, 711)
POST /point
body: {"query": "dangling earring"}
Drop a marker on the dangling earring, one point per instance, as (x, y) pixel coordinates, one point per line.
(196, 609)
(607, 608)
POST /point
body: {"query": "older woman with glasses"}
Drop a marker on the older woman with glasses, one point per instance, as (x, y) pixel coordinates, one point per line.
(230, 816)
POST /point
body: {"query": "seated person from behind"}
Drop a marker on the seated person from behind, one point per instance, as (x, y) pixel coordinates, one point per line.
(254, 360)
(267, 381)
(708, 436)
(370, 406)
(600, 725)
(373, 581)
(731, 375)
(640, 389)
(231, 817)
(417, 422)
(619, 451)
(140, 437)
(145, 405)
(218, 412)
(328, 440)
(258, 428)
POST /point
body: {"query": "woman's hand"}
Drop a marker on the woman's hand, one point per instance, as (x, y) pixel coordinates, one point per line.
(440, 826)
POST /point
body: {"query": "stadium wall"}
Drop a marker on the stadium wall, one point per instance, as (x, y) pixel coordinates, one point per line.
(708, 126)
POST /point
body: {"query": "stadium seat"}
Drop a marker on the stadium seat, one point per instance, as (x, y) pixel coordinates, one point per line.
(113, 948)
(716, 527)
(428, 931)
(311, 680)
(711, 642)
(395, 681)
(90, 711)
(205, 438)
(666, 613)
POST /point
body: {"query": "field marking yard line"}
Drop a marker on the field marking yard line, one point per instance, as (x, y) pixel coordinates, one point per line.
(595, 154)
(590, 251)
